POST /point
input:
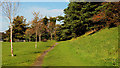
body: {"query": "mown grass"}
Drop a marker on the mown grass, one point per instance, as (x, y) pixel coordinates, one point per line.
(99, 49)
(0, 54)
(25, 52)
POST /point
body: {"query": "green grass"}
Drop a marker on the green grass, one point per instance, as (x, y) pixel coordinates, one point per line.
(25, 52)
(0, 54)
(99, 49)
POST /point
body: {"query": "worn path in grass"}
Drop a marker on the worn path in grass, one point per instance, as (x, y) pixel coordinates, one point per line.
(39, 60)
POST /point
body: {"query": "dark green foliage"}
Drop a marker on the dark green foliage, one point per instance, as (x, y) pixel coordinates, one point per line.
(60, 18)
(62, 34)
(45, 20)
(46, 35)
(81, 17)
(19, 28)
(52, 19)
(76, 19)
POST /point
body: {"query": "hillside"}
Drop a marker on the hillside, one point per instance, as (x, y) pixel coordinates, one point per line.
(98, 49)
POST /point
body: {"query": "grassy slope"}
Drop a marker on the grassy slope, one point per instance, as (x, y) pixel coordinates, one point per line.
(99, 49)
(25, 52)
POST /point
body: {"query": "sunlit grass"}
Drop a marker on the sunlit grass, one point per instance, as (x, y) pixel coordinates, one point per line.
(99, 49)
(25, 52)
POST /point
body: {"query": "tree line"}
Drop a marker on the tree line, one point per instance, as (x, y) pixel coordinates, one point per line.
(79, 18)
(82, 17)
(39, 29)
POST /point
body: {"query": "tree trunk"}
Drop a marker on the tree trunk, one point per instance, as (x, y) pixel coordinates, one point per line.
(11, 39)
(29, 39)
(55, 36)
(51, 37)
(36, 40)
(39, 37)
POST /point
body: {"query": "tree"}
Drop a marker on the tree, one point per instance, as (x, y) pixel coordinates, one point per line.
(57, 31)
(45, 20)
(29, 33)
(108, 13)
(76, 19)
(60, 19)
(41, 28)
(19, 28)
(51, 26)
(46, 31)
(35, 24)
(9, 10)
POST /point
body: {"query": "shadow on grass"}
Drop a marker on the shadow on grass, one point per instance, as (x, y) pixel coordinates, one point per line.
(37, 52)
(14, 55)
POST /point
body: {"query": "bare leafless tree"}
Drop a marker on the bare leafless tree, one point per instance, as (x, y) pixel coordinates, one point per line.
(35, 25)
(9, 9)
(40, 29)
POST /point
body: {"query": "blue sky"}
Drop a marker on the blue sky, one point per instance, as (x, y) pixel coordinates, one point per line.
(26, 9)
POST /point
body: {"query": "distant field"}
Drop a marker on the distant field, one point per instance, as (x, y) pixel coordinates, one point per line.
(99, 49)
(25, 52)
